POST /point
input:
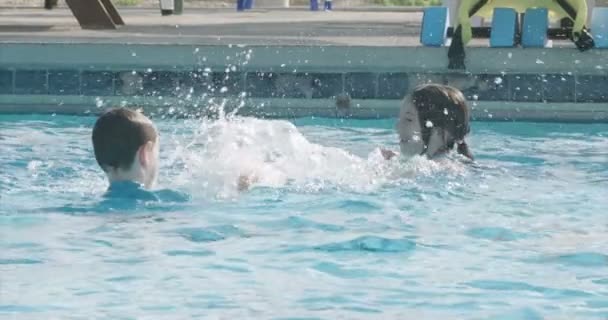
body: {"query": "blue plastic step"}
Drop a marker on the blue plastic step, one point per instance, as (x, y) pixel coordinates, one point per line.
(435, 21)
(534, 28)
(504, 27)
(599, 27)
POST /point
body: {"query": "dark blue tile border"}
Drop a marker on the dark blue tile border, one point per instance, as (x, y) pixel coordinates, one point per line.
(551, 88)
(97, 83)
(160, 83)
(198, 82)
(492, 87)
(361, 85)
(559, 88)
(327, 85)
(294, 86)
(261, 84)
(227, 84)
(6, 81)
(31, 82)
(64, 82)
(392, 85)
(526, 87)
(592, 88)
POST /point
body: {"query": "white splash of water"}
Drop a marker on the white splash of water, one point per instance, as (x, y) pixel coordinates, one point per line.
(275, 154)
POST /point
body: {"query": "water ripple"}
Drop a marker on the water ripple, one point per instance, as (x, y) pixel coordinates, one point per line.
(371, 244)
(580, 259)
(495, 233)
(20, 261)
(302, 223)
(583, 259)
(359, 206)
(189, 253)
(519, 314)
(340, 271)
(210, 234)
(500, 285)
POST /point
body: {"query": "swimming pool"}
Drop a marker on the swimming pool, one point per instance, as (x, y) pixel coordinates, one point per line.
(330, 231)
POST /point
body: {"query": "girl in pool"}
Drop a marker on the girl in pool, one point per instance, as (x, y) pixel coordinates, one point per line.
(432, 120)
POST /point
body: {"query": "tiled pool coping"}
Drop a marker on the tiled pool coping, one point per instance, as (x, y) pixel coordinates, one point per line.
(539, 84)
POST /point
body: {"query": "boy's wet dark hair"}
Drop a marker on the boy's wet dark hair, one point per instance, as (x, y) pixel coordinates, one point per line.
(443, 107)
(118, 134)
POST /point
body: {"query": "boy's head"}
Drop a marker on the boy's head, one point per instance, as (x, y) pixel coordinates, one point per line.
(126, 146)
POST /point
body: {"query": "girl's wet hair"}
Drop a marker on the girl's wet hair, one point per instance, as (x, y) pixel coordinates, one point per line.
(445, 108)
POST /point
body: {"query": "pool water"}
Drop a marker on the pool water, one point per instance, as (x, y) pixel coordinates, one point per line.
(330, 231)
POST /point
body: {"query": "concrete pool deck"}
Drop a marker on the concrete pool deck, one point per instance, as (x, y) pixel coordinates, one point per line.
(286, 62)
(295, 26)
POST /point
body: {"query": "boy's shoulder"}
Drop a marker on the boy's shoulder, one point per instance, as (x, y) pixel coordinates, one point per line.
(168, 195)
(135, 191)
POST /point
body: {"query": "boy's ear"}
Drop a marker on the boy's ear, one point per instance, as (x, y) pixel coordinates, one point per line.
(144, 153)
(142, 157)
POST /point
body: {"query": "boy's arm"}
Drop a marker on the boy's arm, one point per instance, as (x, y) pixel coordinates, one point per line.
(245, 181)
(387, 154)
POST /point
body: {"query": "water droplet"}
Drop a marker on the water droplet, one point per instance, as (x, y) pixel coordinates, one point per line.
(445, 111)
(233, 68)
(224, 89)
(133, 54)
(510, 55)
(538, 61)
(475, 97)
(498, 80)
(207, 70)
(196, 50)
(429, 124)
(577, 61)
(282, 65)
(149, 70)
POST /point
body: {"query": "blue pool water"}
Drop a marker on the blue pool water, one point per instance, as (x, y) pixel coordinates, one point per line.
(329, 232)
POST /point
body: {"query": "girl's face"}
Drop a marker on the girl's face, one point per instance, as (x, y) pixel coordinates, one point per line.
(409, 130)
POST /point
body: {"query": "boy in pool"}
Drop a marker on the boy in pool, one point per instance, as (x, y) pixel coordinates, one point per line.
(126, 146)
(433, 120)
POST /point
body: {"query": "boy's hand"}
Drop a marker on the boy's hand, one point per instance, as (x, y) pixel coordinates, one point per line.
(245, 182)
(387, 154)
